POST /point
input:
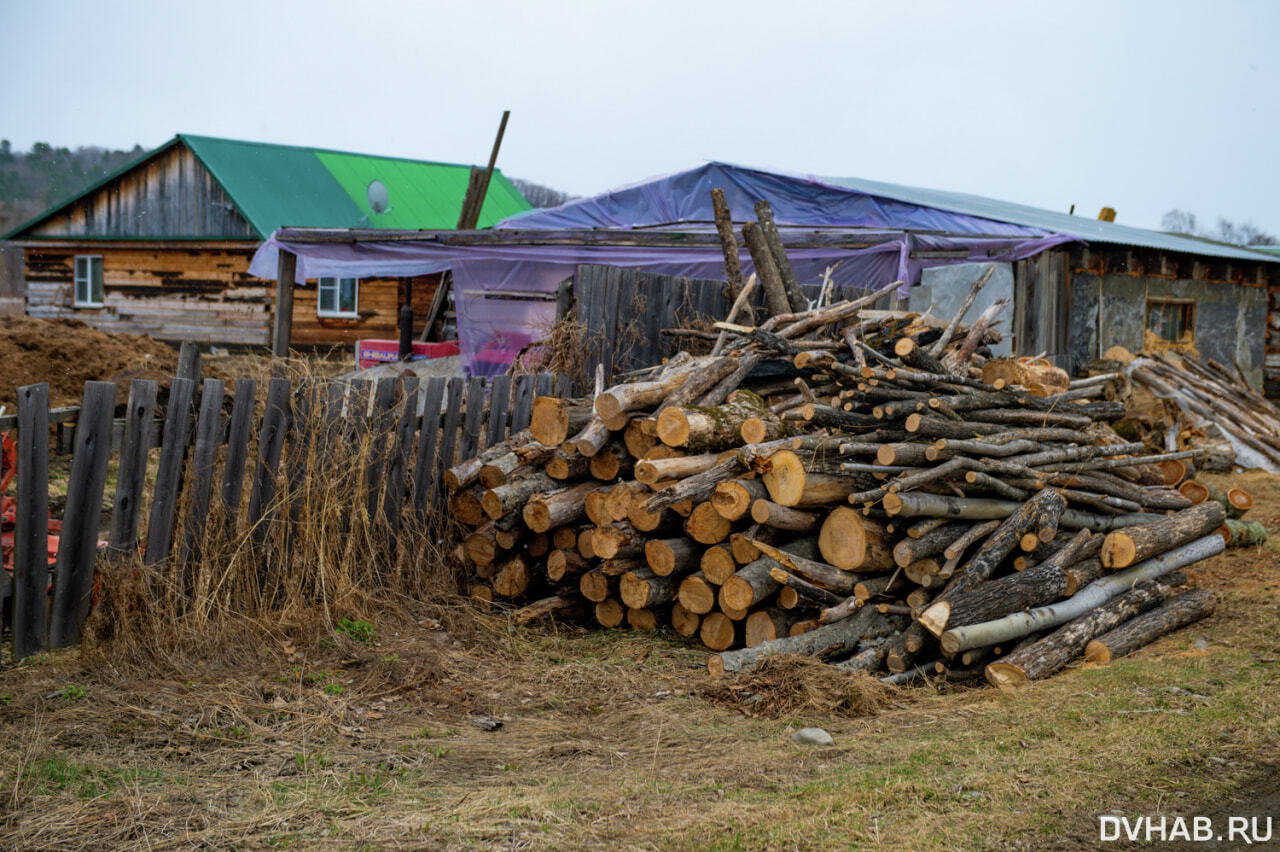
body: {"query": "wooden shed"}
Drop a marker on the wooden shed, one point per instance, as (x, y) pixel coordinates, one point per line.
(162, 246)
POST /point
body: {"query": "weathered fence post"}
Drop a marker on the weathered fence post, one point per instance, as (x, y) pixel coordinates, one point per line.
(203, 459)
(398, 461)
(173, 452)
(31, 561)
(499, 402)
(78, 547)
(424, 471)
(132, 468)
(237, 449)
(275, 422)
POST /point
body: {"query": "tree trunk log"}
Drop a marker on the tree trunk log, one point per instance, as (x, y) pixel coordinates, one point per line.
(710, 428)
(775, 294)
(733, 499)
(671, 556)
(852, 542)
(696, 595)
(942, 506)
(642, 589)
(1043, 584)
(1060, 647)
(553, 419)
(1124, 547)
(1173, 614)
(557, 508)
(497, 502)
(781, 517)
(830, 640)
(1100, 591)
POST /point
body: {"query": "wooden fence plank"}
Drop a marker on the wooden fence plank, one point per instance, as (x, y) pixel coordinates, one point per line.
(132, 468)
(499, 402)
(544, 384)
(238, 435)
(401, 451)
(79, 542)
(449, 435)
(203, 459)
(302, 443)
(522, 410)
(275, 423)
(189, 361)
(30, 548)
(173, 453)
(561, 385)
(381, 423)
(424, 471)
(473, 423)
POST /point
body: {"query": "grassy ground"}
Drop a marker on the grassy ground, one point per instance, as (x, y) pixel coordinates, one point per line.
(621, 740)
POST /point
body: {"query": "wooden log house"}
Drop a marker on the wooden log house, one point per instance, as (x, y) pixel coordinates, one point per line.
(162, 246)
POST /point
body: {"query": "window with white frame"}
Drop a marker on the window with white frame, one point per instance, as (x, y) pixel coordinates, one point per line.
(339, 297)
(88, 281)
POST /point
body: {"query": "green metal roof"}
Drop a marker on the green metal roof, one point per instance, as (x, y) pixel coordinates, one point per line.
(275, 186)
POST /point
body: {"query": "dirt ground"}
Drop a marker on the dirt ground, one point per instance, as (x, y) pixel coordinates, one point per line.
(341, 740)
(67, 353)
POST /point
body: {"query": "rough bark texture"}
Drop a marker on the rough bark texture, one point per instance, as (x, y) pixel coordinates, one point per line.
(1171, 615)
(1123, 548)
(1060, 647)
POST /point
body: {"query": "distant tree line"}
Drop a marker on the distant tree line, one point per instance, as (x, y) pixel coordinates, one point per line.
(33, 181)
(541, 196)
(1226, 231)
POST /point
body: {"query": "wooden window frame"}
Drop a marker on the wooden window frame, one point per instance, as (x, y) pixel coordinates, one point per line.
(336, 286)
(1189, 308)
(87, 279)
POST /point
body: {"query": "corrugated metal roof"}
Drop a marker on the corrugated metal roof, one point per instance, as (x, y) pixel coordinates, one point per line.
(275, 186)
(279, 185)
(1090, 230)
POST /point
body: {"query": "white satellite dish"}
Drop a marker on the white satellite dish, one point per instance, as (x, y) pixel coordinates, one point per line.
(379, 200)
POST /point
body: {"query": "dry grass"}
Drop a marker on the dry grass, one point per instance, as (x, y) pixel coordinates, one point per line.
(287, 732)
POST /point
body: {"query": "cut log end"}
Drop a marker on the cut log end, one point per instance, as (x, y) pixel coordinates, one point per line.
(934, 619)
(1118, 550)
(1096, 652)
(673, 427)
(786, 478)
(537, 516)
(1006, 676)
(715, 666)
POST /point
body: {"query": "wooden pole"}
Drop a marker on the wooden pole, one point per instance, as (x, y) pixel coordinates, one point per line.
(282, 330)
(468, 216)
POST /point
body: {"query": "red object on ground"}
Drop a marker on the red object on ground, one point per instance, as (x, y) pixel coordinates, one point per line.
(371, 353)
(9, 507)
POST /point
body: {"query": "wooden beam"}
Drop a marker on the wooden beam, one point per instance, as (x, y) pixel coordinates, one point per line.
(282, 329)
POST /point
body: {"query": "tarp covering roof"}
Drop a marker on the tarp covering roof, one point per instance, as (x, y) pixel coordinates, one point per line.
(274, 186)
(842, 202)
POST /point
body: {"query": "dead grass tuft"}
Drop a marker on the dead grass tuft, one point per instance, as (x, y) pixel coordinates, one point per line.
(790, 685)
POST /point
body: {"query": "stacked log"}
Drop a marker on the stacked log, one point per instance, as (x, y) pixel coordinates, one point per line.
(842, 482)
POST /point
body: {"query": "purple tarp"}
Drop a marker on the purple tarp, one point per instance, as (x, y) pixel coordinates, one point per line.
(806, 201)
(492, 330)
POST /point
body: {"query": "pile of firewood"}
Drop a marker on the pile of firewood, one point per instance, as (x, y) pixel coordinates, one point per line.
(865, 486)
(1209, 407)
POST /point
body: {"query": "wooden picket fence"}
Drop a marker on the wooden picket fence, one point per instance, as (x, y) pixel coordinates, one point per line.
(419, 428)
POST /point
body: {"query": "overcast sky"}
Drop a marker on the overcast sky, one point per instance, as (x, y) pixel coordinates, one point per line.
(1140, 106)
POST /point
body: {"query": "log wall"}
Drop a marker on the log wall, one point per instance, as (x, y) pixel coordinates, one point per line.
(378, 303)
(169, 195)
(172, 291)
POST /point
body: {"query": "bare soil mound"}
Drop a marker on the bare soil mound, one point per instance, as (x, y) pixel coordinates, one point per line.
(66, 353)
